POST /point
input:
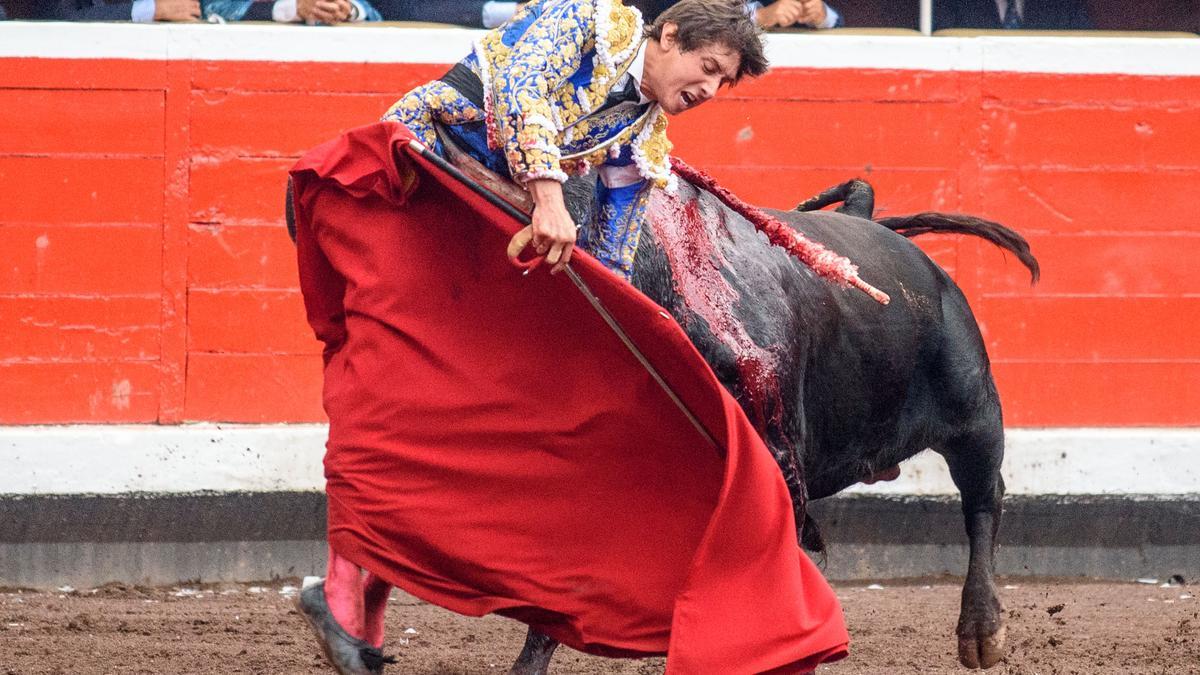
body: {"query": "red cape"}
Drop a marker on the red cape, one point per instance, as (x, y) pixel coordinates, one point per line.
(494, 447)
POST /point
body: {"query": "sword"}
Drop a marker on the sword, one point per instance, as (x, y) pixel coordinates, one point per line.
(523, 218)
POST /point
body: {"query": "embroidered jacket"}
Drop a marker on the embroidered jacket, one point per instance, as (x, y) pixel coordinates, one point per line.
(546, 76)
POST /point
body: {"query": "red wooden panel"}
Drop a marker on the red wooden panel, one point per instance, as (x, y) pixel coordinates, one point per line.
(85, 260)
(84, 392)
(242, 256)
(254, 388)
(1090, 329)
(256, 322)
(1115, 233)
(39, 121)
(1097, 136)
(1106, 264)
(812, 84)
(278, 123)
(80, 190)
(1031, 200)
(834, 134)
(1054, 88)
(174, 244)
(1099, 394)
(386, 78)
(83, 73)
(39, 328)
(237, 190)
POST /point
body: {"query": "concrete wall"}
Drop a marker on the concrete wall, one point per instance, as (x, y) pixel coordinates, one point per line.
(156, 504)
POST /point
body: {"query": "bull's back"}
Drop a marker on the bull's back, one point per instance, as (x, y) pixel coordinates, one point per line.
(853, 377)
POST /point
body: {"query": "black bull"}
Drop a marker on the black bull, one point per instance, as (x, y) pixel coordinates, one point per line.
(857, 387)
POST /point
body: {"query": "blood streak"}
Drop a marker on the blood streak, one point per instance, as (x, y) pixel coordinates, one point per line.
(823, 261)
(689, 238)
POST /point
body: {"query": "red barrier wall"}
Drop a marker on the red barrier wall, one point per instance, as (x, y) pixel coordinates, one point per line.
(147, 276)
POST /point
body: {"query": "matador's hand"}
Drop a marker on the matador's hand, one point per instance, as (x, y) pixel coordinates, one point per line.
(552, 232)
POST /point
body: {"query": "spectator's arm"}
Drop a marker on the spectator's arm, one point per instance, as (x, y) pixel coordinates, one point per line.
(945, 15)
(139, 10)
(784, 13)
(143, 11)
(496, 12)
(833, 18)
(326, 12)
(68, 10)
(1077, 16)
(470, 13)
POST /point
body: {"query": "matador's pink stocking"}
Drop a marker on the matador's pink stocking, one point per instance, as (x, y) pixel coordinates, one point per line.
(357, 604)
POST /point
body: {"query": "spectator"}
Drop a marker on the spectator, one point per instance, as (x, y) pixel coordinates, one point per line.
(328, 12)
(778, 14)
(98, 10)
(492, 13)
(469, 13)
(1012, 14)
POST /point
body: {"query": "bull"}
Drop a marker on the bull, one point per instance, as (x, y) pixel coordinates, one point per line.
(841, 388)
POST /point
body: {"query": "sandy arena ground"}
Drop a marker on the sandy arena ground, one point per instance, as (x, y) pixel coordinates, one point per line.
(903, 627)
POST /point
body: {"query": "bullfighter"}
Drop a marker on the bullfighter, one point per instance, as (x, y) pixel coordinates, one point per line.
(564, 88)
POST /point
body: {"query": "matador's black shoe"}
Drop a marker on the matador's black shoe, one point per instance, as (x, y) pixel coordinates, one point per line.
(347, 654)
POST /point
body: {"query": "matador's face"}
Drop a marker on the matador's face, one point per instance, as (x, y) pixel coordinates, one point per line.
(681, 80)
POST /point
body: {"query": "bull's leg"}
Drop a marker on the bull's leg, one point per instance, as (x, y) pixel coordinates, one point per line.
(974, 461)
(535, 657)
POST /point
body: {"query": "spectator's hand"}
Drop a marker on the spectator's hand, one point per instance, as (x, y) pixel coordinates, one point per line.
(176, 10)
(813, 13)
(323, 11)
(779, 14)
(784, 13)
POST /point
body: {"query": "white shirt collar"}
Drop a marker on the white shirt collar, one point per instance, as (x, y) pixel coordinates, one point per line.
(636, 69)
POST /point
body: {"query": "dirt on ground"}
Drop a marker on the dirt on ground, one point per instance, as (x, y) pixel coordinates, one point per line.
(1054, 627)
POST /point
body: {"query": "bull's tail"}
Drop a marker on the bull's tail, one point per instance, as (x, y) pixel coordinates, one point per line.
(957, 223)
(858, 199)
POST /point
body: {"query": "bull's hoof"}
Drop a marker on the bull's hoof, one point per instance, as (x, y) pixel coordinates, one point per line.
(347, 654)
(981, 651)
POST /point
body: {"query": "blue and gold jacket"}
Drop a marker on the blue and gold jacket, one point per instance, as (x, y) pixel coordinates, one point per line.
(546, 76)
